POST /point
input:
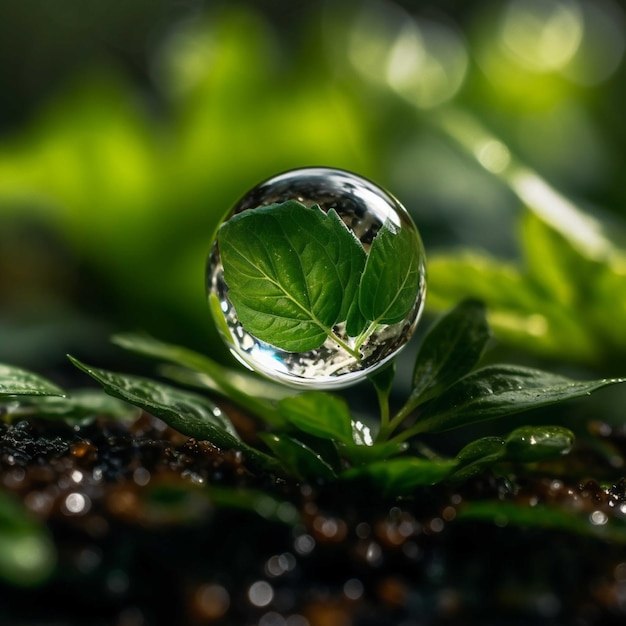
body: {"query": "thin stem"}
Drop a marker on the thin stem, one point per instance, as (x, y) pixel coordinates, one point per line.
(406, 434)
(396, 420)
(342, 344)
(383, 404)
(362, 338)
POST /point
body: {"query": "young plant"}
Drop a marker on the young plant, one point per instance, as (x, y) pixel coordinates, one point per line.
(311, 435)
(296, 278)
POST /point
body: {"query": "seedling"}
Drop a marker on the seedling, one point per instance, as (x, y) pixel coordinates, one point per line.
(311, 435)
(292, 283)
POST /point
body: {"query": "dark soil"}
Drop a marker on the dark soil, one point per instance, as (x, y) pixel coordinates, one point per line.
(146, 536)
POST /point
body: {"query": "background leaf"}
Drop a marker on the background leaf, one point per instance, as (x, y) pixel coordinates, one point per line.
(542, 516)
(556, 302)
(15, 381)
(80, 407)
(27, 552)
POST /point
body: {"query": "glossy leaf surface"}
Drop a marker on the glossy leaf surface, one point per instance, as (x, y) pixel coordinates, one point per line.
(538, 443)
(498, 390)
(403, 475)
(297, 458)
(391, 279)
(320, 414)
(292, 272)
(189, 413)
(15, 381)
(450, 349)
(244, 389)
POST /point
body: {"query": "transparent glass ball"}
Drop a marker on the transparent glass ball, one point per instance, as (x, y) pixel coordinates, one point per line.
(363, 207)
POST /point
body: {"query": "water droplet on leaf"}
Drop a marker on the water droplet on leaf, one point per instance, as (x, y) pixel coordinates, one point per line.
(316, 278)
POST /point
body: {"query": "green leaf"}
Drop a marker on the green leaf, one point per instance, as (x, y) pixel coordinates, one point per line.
(552, 262)
(401, 476)
(320, 414)
(255, 501)
(15, 381)
(450, 349)
(27, 553)
(521, 312)
(542, 516)
(247, 391)
(297, 458)
(189, 413)
(538, 443)
(359, 454)
(477, 456)
(498, 390)
(391, 279)
(81, 407)
(291, 272)
(526, 444)
(382, 379)
(481, 448)
(349, 256)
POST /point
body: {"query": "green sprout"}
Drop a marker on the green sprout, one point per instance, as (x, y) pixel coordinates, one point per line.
(327, 277)
(313, 436)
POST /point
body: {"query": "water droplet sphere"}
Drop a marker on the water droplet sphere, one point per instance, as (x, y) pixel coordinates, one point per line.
(316, 278)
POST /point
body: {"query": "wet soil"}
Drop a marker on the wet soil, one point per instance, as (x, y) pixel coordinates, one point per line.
(153, 528)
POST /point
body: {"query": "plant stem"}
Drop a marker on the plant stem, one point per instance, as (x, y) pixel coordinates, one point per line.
(360, 340)
(383, 404)
(342, 344)
(395, 421)
(406, 434)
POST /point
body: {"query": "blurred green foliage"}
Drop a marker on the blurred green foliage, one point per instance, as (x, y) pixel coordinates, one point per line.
(113, 179)
(137, 197)
(556, 303)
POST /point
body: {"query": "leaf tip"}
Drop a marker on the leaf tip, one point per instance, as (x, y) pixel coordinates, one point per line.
(79, 364)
